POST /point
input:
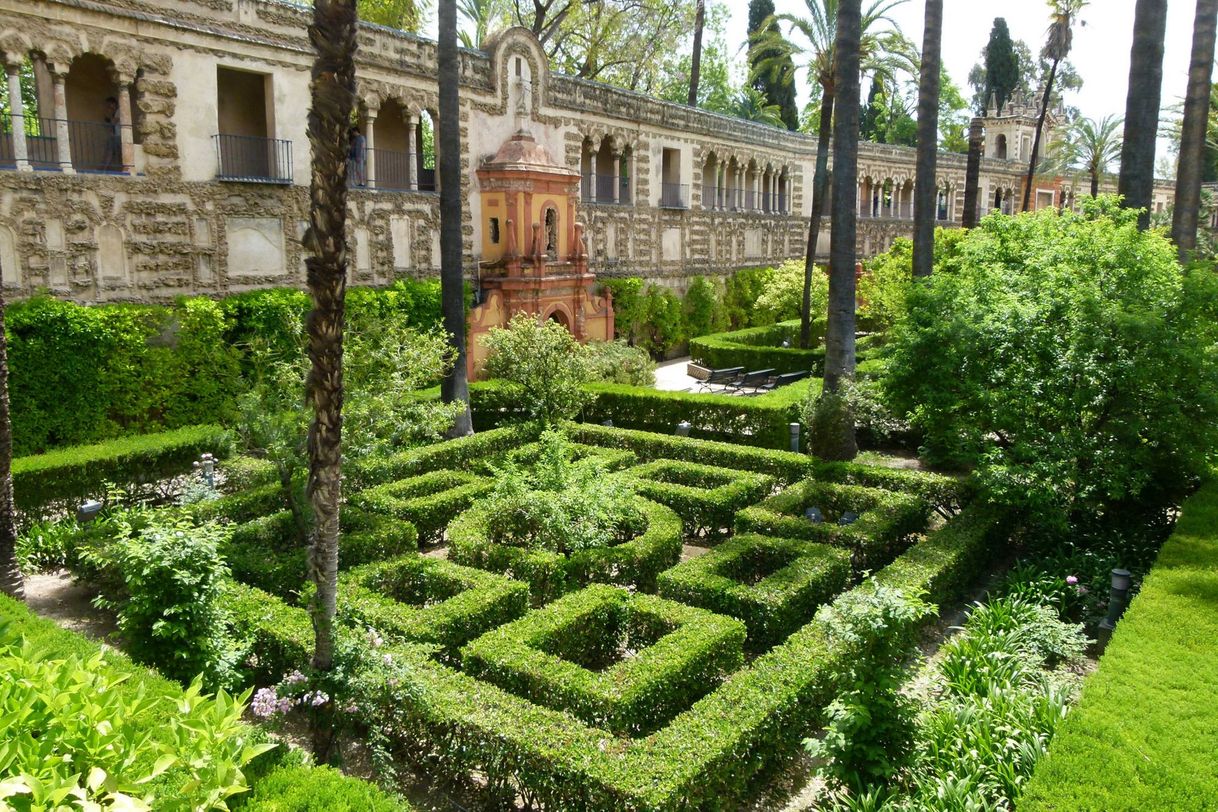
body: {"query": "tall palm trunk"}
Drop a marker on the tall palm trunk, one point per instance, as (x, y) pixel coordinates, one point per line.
(820, 187)
(837, 440)
(1095, 183)
(1040, 129)
(1137, 179)
(925, 186)
(455, 386)
(1187, 211)
(972, 176)
(333, 34)
(10, 574)
(695, 71)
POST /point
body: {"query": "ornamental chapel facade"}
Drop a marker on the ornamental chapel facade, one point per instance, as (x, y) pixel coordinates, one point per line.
(165, 154)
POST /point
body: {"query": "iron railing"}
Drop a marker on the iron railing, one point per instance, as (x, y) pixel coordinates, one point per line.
(252, 159)
(674, 196)
(393, 169)
(93, 146)
(96, 146)
(599, 189)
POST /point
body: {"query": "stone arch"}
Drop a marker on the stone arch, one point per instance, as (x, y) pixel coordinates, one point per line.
(560, 313)
(505, 48)
(1000, 147)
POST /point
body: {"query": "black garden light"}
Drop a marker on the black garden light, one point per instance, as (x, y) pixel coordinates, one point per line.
(88, 511)
(794, 427)
(1118, 599)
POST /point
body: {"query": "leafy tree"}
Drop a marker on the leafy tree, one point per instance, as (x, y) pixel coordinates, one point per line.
(953, 116)
(1068, 359)
(740, 295)
(404, 15)
(717, 89)
(704, 313)
(782, 297)
(11, 582)
(775, 81)
(547, 362)
(1030, 80)
(888, 278)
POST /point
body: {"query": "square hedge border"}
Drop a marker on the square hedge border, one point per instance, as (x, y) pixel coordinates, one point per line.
(611, 459)
(429, 600)
(682, 653)
(706, 497)
(706, 757)
(797, 578)
(633, 563)
(428, 501)
(886, 518)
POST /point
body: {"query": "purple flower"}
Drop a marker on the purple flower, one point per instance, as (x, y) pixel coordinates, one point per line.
(1071, 580)
(315, 698)
(295, 678)
(265, 703)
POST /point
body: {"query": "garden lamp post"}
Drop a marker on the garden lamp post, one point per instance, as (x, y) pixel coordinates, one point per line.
(794, 427)
(1117, 598)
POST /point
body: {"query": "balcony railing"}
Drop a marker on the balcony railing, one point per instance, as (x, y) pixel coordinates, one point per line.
(252, 159)
(674, 196)
(599, 189)
(92, 146)
(393, 169)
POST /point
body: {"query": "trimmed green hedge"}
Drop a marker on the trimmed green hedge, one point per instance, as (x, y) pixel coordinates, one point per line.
(429, 600)
(762, 420)
(318, 789)
(636, 562)
(274, 789)
(945, 492)
(462, 454)
(706, 757)
(761, 348)
(278, 636)
(61, 480)
(428, 501)
(773, 585)
(566, 656)
(885, 518)
(1144, 735)
(705, 497)
(786, 466)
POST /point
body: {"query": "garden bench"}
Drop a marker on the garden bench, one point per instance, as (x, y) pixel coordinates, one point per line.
(720, 376)
(779, 381)
(751, 380)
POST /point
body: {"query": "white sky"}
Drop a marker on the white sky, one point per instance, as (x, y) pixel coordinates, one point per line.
(1101, 44)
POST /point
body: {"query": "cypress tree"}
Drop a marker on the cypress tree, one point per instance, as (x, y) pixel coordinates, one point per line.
(1001, 64)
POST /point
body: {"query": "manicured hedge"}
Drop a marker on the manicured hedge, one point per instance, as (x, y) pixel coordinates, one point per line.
(278, 635)
(1144, 735)
(885, 518)
(241, 506)
(464, 453)
(636, 562)
(611, 459)
(761, 348)
(773, 585)
(282, 793)
(786, 466)
(419, 599)
(705, 497)
(60, 480)
(428, 501)
(761, 421)
(706, 757)
(564, 656)
(945, 492)
(318, 789)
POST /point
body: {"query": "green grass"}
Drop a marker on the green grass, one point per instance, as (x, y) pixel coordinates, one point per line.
(1144, 735)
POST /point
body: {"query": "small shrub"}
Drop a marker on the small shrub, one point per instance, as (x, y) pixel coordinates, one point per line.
(546, 360)
(171, 610)
(740, 295)
(704, 312)
(663, 325)
(782, 299)
(618, 362)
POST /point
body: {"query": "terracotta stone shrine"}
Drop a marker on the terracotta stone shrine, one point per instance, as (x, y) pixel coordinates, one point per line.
(534, 256)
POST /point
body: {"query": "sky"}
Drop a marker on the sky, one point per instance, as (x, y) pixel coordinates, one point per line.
(1101, 43)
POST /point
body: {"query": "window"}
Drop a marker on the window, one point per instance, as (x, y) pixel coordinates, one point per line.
(245, 142)
(494, 230)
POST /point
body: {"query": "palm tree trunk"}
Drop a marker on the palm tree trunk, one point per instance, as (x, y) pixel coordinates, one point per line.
(839, 441)
(1040, 128)
(695, 71)
(333, 34)
(925, 184)
(1137, 179)
(455, 386)
(10, 574)
(972, 177)
(1187, 210)
(1095, 183)
(820, 187)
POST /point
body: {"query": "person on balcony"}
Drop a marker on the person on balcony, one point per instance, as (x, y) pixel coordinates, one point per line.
(112, 153)
(357, 158)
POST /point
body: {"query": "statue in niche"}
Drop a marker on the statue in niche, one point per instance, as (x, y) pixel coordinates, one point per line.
(552, 234)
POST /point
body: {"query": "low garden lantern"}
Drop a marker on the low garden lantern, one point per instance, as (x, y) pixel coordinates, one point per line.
(88, 511)
(683, 428)
(814, 515)
(849, 517)
(207, 467)
(1118, 598)
(794, 427)
(608, 424)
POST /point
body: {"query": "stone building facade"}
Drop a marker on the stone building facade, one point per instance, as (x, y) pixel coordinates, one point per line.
(166, 154)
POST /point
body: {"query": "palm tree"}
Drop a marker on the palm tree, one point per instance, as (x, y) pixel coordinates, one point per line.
(753, 105)
(881, 53)
(455, 387)
(1142, 107)
(836, 440)
(972, 176)
(1186, 214)
(1094, 146)
(333, 34)
(695, 71)
(1061, 38)
(10, 574)
(925, 186)
(481, 14)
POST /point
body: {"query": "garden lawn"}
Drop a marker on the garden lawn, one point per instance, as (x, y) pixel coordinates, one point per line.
(1144, 735)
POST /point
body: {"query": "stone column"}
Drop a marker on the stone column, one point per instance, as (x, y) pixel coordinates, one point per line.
(740, 176)
(370, 148)
(125, 122)
(12, 67)
(617, 177)
(412, 129)
(62, 144)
